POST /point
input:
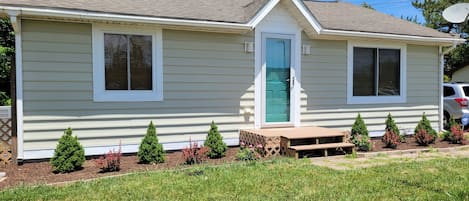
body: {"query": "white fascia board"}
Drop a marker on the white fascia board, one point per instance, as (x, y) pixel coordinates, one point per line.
(307, 14)
(448, 41)
(48, 12)
(262, 13)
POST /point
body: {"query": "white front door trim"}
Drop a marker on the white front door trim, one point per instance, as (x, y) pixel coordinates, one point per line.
(259, 115)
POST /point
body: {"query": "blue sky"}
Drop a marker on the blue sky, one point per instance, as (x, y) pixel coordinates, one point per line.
(393, 7)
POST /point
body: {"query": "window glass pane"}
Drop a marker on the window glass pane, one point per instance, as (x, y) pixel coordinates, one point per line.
(364, 62)
(140, 62)
(466, 91)
(449, 91)
(389, 72)
(115, 53)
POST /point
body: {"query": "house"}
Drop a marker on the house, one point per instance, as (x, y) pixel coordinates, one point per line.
(107, 68)
(461, 75)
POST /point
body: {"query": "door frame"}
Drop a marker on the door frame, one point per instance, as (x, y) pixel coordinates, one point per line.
(260, 77)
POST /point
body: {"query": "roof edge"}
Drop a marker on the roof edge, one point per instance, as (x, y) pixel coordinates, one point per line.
(88, 15)
(448, 41)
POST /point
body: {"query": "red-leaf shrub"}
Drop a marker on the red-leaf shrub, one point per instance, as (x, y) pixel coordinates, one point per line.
(457, 134)
(423, 138)
(195, 154)
(111, 161)
(391, 139)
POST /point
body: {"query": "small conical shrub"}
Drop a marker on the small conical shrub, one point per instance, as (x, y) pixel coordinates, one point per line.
(359, 127)
(391, 125)
(424, 124)
(214, 141)
(150, 150)
(69, 155)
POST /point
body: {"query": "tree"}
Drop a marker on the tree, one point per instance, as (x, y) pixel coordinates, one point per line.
(432, 12)
(214, 141)
(366, 5)
(7, 52)
(150, 150)
(410, 19)
(69, 154)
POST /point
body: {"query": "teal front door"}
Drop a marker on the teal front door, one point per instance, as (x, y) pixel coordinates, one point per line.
(277, 79)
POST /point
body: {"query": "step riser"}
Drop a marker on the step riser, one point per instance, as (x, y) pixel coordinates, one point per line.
(320, 153)
(309, 141)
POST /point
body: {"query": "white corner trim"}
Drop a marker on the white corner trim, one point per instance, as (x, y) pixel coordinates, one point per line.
(89, 15)
(307, 14)
(262, 13)
(99, 92)
(402, 98)
(16, 22)
(129, 148)
(390, 36)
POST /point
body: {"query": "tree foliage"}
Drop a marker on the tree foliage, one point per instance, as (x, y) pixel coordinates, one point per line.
(366, 5)
(432, 12)
(150, 150)
(214, 141)
(69, 155)
(359, 127)
(7, 52)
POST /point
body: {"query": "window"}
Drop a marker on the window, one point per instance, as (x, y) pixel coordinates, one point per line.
(466, 90)
(448, 91)
(376, 73)
(127, 63)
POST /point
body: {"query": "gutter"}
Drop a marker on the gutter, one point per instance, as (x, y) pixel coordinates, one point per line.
(390, 36)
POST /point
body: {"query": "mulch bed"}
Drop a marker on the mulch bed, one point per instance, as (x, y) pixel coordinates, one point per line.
(409, 144)
(41, 172)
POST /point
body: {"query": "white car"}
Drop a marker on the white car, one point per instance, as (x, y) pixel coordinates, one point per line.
(456, 97)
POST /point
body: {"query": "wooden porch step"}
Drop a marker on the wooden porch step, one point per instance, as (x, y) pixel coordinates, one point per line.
(314, 150)
(322, 146)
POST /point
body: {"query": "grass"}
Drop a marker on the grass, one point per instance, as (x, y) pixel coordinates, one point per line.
(281, 179)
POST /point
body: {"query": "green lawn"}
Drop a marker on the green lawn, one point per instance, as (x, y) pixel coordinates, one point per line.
(281, 179)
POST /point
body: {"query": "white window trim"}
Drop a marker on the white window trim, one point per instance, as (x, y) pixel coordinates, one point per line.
(100, 94)
(402, 98)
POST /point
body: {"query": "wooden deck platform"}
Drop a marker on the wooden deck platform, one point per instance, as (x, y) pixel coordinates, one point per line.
(298, 142)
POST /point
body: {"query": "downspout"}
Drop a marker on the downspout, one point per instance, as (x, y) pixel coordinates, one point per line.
(16, 24)
(442, 54)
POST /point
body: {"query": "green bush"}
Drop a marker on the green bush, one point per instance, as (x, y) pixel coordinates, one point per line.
(359, 134)
(391, 125)
(446, 135)
(69, 155)
(150, 150)
(214, 141)
(363, 143)
(424, 124)
(249, 152)
(359, 127)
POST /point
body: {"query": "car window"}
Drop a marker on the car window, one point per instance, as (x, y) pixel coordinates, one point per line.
(449, 91)
(466, 90)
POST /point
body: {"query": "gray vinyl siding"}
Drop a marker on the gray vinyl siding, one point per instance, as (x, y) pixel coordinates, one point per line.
(324, 89)
(207, 76)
